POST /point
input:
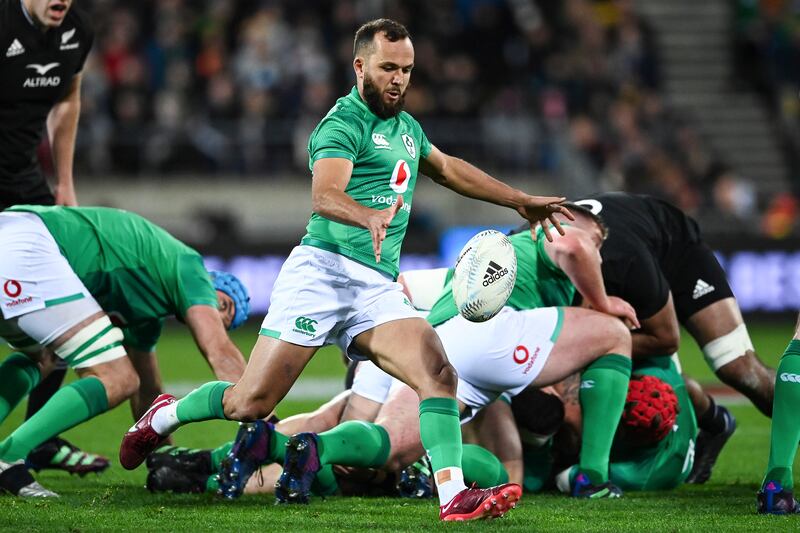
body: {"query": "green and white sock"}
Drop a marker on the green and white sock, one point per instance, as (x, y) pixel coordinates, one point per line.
(18, 375)
(785, 422)
(203, 403)
(604, 387)
(72, 404)
(440, 431)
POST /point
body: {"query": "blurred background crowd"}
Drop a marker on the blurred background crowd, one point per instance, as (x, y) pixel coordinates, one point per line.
(572, 90)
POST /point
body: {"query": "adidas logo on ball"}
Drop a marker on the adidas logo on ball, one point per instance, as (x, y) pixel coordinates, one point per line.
(493, 273)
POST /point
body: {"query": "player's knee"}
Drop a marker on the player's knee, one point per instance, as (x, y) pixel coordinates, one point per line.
(442, 381)
(239, 405)
(620, 337)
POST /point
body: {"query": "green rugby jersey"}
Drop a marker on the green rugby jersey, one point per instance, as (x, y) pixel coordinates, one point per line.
(539, 283)
(385, 155)
(666, 464)
(137, 272)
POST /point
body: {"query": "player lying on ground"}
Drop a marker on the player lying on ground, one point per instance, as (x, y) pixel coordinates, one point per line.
(654, 445)
(655, 258)
(777, 489)
(532, 341)
(259, 448)
(65, 273)
(338, 286)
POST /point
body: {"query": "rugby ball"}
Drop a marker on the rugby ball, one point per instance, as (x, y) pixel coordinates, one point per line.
(484, 276)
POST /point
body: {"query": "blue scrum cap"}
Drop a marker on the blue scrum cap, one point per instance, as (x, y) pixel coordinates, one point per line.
(233, 287)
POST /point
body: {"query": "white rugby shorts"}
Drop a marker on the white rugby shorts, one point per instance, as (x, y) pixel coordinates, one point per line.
(502, 355)
(33, 273)
(322, 298)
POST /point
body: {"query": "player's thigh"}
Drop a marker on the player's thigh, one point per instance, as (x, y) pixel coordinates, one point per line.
(585, 336)
(409, 350)
(703, 298)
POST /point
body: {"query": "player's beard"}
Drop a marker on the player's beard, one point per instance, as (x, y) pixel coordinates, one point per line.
(373, 96)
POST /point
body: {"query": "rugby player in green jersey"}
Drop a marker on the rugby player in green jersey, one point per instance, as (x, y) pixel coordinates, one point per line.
(66, 274)
(777, 489)
(338, 286)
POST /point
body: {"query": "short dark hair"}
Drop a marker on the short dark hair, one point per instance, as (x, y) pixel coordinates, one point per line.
(365, 35)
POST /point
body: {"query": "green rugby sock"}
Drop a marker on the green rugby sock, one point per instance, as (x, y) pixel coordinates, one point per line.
(354, 443)
(785, 422)
(203, 403)
(482, 467)
(18, 375)
(325, 483)
(604, 387)
(440, 432)
(75, 403)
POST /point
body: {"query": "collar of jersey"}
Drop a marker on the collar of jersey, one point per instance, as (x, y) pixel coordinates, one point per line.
(27, 15)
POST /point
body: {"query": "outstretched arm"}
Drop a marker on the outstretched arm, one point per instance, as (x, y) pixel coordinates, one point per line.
(468, 180)
(212, 339)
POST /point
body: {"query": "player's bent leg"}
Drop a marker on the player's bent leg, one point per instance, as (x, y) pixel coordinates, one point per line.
(602, 345)
(722, 335)
(494, 429)
(776, 495)
(93, 348)
(272, 369)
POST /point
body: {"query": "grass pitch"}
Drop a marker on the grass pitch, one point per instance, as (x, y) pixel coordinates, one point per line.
(116, 500)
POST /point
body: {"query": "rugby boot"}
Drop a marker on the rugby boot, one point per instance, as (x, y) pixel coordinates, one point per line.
(416, 480)
(59, 454)
(300, 467)
(708, 447)
(582, 487)
(476, 504)
(180, 458)
(15, 479)
(250, 450)
(141, 439)
(774, 499)
(166, 479)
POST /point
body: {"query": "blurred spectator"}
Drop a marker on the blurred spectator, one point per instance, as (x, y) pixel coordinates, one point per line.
(569, 88)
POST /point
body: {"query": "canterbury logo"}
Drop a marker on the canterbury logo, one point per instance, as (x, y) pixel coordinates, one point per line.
(791, 378)
(587, 384)
(42, 69)
(493, 273)
(305, 324)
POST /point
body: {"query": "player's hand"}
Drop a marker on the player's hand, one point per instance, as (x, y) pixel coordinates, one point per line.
(538, 209)
(378, 223)
(625, 311)
(66, 196)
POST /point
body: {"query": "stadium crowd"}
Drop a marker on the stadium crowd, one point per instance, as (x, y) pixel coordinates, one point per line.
(235, 88)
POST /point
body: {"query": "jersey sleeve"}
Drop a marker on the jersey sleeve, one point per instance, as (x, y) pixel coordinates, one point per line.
(144, 336)
(193, 284)
(336, 136)
(88, 39)
(425, 145)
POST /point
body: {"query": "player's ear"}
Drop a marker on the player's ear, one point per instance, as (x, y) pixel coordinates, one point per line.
(358, 66)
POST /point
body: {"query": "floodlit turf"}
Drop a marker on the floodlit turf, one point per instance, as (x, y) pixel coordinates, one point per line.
(116, 500)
